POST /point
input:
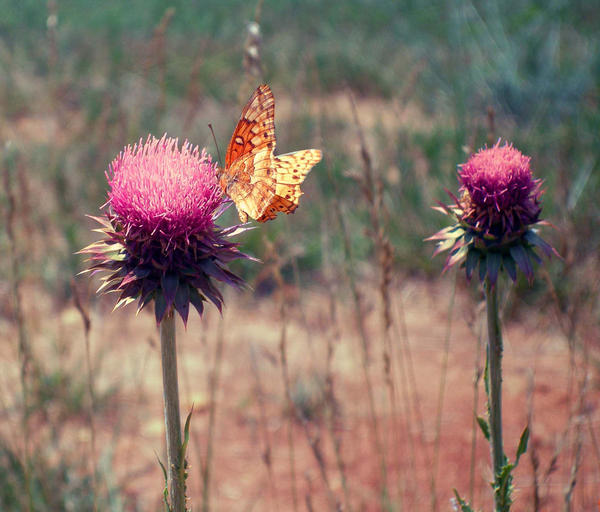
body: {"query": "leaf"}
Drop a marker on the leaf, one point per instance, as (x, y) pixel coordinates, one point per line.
(522, 448)
(493, 266)
(485, 428)
(486, 372)
(144, 300)
(166, 489)
(482, 269)
(169, 283)
(450, 232)
(182, 302)
(184, 445)
(160, 307)
(203, 283)
(455, 257)
(503, 483)
(533, 255)
(212, 269)
(444, 246)
(197, 300)
(123, 302)
(509, 265)
(522, 260)
(464, 506)
(186, 433)
(473, 258)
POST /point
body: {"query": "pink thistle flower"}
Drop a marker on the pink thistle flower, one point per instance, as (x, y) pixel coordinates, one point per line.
(495, 214)
(500, 196)
(158, 187)
(160, 240)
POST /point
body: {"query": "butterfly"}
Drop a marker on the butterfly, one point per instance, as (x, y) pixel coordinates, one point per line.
(260, 183)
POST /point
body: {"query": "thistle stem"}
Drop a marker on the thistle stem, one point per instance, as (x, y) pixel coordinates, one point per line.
(168, 352)
(495, 388)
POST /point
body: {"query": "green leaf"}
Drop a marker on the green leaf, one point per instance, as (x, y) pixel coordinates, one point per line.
(522, 448)
(503, 486)
(485, 428)
(486, 372)
(166, 489)
(184, 445)
(186, 434)
(464, 506)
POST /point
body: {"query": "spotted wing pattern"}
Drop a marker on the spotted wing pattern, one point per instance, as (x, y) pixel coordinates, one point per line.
(260, 183)
(290, 171)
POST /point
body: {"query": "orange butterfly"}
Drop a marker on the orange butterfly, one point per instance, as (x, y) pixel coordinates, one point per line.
(260, 183)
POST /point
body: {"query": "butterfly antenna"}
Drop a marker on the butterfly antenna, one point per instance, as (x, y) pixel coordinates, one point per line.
(217, 146)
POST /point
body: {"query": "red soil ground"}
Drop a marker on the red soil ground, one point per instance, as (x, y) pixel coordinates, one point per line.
(129, 426)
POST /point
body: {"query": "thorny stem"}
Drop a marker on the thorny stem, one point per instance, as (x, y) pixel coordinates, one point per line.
(168, 352)
(495, 387)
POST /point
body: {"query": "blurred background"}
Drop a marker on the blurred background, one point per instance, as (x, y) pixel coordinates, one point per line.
(348, 374)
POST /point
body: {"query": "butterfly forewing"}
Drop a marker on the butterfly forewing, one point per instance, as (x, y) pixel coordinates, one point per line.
(256, 128)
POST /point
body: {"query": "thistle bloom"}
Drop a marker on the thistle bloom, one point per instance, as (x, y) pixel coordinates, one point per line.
(160, 237)
(498, 206)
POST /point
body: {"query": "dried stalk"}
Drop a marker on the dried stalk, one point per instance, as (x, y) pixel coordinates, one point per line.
(85, 317)
(260, 398)
(213, 386)
(441, 395)
(24, 350)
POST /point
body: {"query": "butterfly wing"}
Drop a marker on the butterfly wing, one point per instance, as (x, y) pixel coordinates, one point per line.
(260, 183)
(290, 171)
(255, 129)
(248, 178)
(253, 184)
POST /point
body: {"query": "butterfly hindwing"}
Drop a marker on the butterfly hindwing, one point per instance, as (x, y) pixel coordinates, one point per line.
(291, 171)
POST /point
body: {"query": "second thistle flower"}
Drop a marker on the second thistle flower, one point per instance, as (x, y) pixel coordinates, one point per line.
(495, 215)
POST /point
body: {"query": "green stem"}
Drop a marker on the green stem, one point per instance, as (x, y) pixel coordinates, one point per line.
(495, 388)
(168, 352)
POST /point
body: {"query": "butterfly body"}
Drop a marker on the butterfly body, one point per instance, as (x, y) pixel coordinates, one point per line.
(260, 183)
